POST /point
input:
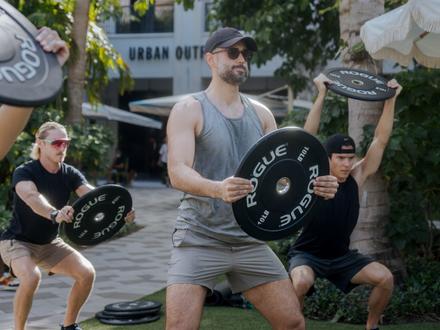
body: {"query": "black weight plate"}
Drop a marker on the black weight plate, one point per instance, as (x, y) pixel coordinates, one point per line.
(135, 313)
(146, 319)
(131, 306)
(359, 84)
(98, 215)
(289, 155)
(129, 314)
(214, 299)
(28, 75)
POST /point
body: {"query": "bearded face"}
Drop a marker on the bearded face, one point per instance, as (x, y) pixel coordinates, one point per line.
(234, 74)
(232, 63)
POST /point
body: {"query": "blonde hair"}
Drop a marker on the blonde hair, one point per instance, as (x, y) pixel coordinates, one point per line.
(42, 133)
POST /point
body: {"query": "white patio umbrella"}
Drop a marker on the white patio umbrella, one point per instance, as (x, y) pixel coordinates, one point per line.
(407, 32)
(102, 111)
(161, 106)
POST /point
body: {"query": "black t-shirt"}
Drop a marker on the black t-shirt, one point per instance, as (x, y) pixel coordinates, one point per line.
(56, 188)
(327, 235)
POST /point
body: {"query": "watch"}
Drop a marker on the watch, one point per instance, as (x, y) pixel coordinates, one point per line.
(53, 216)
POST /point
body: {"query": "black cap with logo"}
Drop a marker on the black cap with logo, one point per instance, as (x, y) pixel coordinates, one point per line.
(339, 144)
(226, 37)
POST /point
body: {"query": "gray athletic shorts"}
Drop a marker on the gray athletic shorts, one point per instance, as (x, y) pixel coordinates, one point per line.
(45, 256)
(339, 271)
(200, 260)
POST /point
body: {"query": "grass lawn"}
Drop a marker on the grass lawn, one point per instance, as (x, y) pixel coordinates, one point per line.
(221, 318)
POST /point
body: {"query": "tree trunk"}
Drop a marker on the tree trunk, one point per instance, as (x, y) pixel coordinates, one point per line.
(77, 66)
(369, 235)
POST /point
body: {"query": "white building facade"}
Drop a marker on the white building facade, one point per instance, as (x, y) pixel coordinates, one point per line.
(164, 51)
(166, 47)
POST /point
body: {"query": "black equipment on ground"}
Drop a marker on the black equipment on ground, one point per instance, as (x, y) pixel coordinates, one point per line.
(222, 295)
(145, 319)
(130, 306)
(130, 312)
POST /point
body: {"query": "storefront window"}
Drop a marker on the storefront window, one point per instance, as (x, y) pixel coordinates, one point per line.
(159, 18)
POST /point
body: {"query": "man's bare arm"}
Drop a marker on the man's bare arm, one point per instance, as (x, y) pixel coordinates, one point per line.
(314, 117)
(84, 189)
(266, 117)
(12, 122)
(183, 123)
(28, 192)
(371, 162)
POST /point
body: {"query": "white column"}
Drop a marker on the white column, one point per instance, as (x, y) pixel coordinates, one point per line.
(189, 36)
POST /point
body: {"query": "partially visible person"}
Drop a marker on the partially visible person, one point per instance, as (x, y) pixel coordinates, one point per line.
(163, 162)
(13, 119)
(151, 156)
(42, 188)
(119, 169)
(322, 248)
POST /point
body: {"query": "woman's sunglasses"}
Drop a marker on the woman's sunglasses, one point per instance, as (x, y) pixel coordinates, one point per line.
(58, 143)
(234, 53)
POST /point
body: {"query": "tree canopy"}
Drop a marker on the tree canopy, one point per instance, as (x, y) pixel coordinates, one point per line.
(304, 33)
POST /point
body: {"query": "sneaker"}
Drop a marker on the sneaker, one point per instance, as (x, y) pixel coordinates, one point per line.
(12, 286)
(74, 326)
(8, 282)
(5, 279)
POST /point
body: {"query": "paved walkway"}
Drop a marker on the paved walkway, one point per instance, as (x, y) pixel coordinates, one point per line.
(127, 268)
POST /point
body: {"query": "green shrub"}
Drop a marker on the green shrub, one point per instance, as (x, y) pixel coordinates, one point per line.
(89, 149)
(410, 165)
(334, 118)
(415, 300)
(418, 298)
(5, 214)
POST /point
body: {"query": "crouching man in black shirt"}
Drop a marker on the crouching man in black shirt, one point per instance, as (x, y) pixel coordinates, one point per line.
(41, 192)
(322, 249)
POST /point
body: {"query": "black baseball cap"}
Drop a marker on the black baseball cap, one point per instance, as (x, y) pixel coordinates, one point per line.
(226, 37)
(339, 144)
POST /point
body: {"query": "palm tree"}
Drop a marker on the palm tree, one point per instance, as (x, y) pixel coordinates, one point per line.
(77, 66)
(369, 235)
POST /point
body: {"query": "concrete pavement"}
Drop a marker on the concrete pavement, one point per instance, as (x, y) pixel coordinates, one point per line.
(127, 268)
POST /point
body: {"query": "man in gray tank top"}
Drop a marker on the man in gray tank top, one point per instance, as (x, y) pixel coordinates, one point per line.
(208, 134)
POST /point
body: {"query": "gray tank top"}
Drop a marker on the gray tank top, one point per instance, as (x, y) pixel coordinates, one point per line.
(219, 148)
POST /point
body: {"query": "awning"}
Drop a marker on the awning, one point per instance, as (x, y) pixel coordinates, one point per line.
(161, 106)
(102, 111)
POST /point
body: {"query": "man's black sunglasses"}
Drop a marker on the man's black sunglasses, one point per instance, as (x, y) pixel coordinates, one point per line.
(234, 52)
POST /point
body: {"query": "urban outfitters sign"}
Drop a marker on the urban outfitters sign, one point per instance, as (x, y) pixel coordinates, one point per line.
(163, 53)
